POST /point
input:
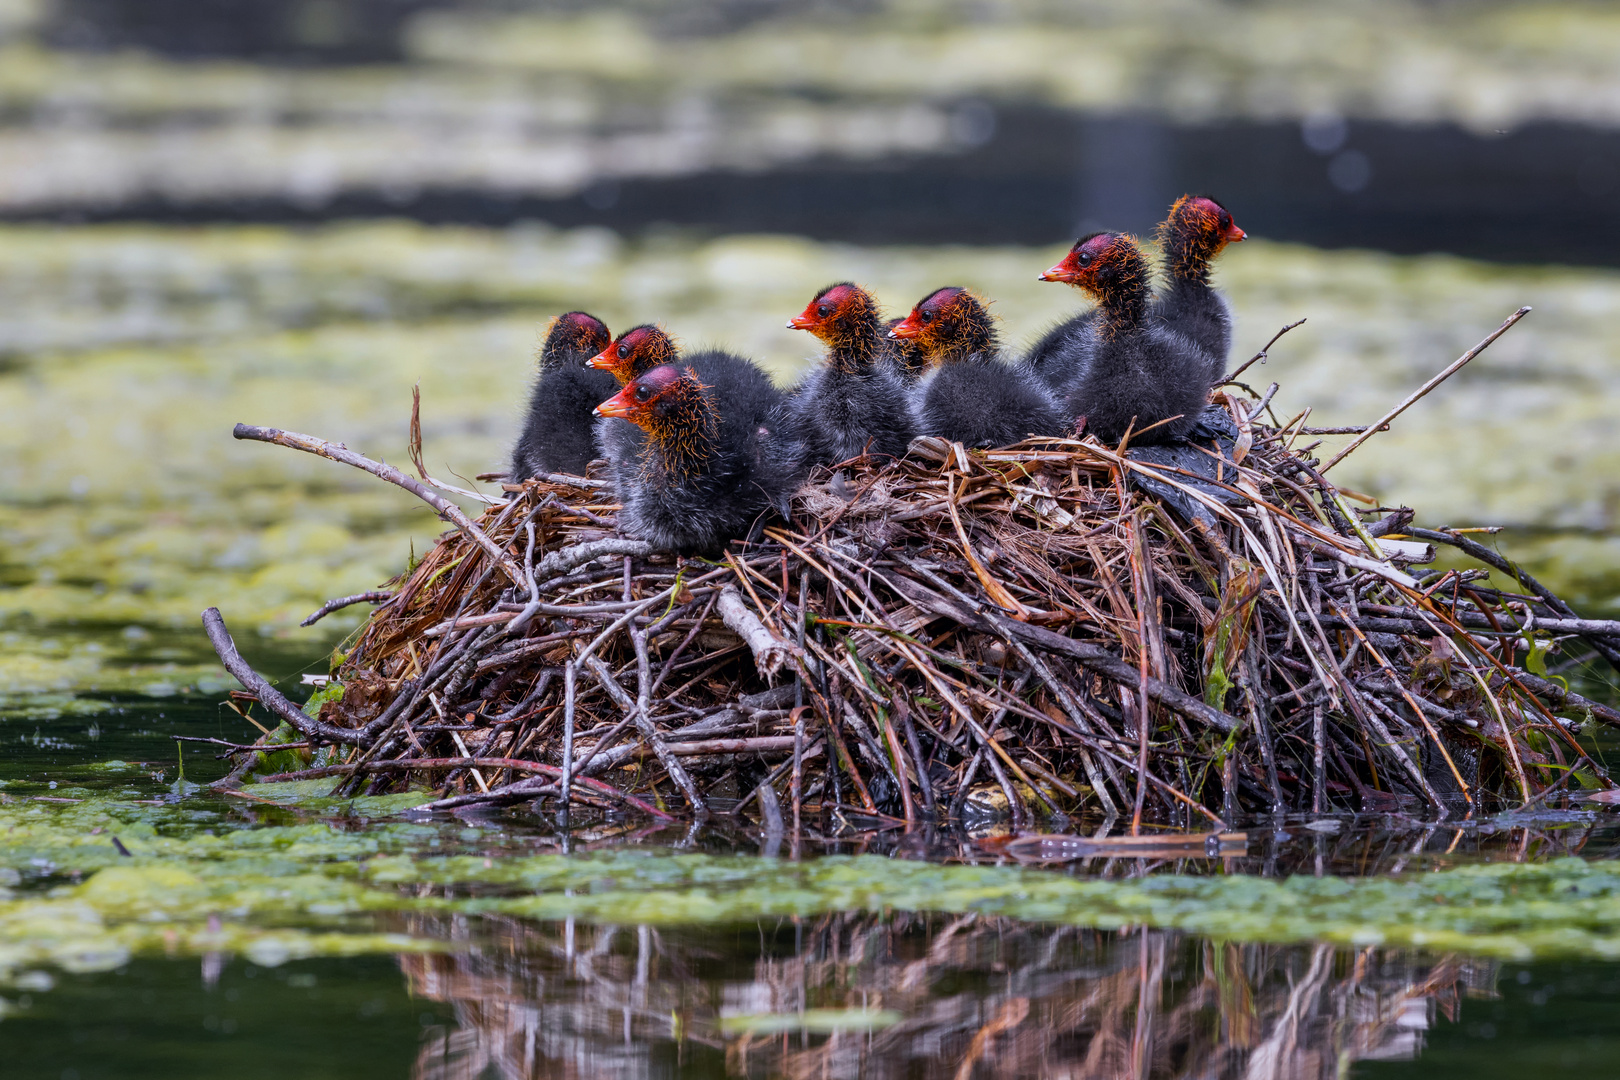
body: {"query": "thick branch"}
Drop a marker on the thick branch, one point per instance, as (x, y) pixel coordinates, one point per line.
(770, 652)
(561, 561)
(269, 696)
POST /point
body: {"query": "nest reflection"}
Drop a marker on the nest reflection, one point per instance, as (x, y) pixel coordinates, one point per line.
(918, 995)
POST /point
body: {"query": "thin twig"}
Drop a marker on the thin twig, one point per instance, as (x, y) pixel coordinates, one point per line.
(1455, 366)
(376, 596)
(446, 509)
(1260, 357)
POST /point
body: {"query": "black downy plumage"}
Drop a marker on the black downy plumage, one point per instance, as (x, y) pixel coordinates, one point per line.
(854, 402)
(1197, 229)
(908, 358)
(969, 395)
(1138, 372)
(739, 385)
(1057, 357)
(704, 473)
(558, 431)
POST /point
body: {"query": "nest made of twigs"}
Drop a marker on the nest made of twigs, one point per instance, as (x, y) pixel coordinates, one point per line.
(1053, 627)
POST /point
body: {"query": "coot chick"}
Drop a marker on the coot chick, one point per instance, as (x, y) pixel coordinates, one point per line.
(557, 434)
(1138, 371)
(1196, 231)
(739, 386)
(969, 396)
(854, 402)
(736, 380)
(704, 473)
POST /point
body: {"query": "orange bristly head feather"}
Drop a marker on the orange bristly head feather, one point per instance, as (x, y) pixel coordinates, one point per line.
(638, 350)
(1111, 268)
(947, 325)
(678, 414)
(1197, 229)
(847, 319)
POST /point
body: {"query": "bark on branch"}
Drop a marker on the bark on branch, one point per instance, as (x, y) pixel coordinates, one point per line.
(770, 652)
(269, 696)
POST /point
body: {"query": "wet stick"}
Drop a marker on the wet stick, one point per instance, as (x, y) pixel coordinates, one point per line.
(267, 695)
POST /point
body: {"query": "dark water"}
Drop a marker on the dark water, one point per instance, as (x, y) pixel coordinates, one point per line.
(1545, 192)
(914, 995)
(869, 993)
(1029, 174)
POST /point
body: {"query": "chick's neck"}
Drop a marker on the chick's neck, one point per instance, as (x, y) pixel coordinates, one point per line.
(1190, 242)
(683, 432)
(1121, 288)
(854, 340)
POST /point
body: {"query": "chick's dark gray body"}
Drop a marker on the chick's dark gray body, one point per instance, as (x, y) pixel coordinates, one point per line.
(694, 493)
(1197, 312)
(838, 415)
(987, 403)
(1139, 379)
(1057, 357)
(558, 433)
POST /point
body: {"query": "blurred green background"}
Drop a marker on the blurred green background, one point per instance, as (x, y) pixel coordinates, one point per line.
(290, 211)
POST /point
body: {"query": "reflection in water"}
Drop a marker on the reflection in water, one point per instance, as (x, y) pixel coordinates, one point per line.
(919, 995)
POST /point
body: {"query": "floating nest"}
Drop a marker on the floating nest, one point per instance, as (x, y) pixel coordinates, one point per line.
(1183, 634)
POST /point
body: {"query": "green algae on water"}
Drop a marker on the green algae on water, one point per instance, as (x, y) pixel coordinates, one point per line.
(195, 881)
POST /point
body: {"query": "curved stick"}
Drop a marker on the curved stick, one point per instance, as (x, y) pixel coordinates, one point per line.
(446, 509)
(770, 652)
(269, 696)
(564, 559)
(375, 597)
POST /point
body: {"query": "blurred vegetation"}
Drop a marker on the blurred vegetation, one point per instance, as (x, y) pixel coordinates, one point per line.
(547, 98)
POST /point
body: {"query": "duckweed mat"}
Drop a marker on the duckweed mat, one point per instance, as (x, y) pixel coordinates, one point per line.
(195, 880)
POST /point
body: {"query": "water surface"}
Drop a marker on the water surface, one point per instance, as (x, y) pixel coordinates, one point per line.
(288, 933)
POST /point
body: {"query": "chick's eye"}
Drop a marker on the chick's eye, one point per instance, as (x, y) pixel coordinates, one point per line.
(642, 393)
(1084, 259)
(623, 351)
(928, 316)
(822, 310)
